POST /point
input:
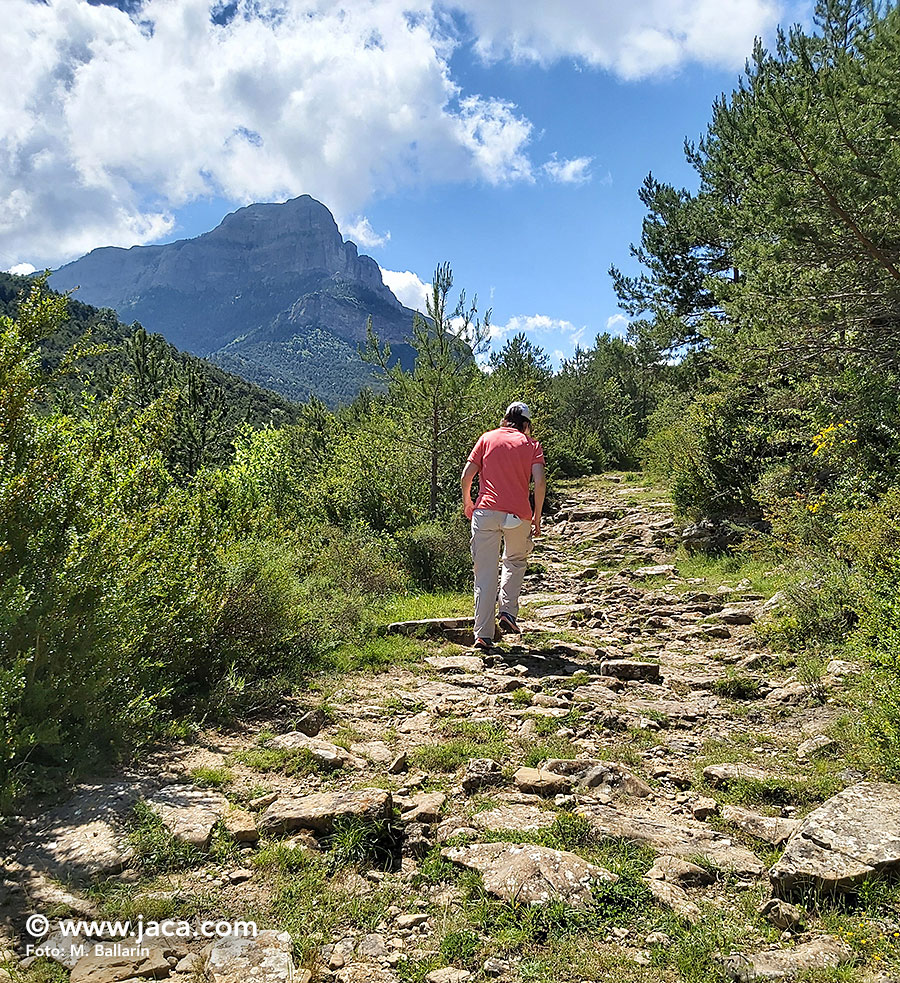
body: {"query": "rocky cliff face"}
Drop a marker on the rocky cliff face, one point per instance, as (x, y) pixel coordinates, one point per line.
(266, 276)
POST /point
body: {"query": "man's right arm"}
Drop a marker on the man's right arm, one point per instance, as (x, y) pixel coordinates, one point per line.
(539, 476)
(468, 476)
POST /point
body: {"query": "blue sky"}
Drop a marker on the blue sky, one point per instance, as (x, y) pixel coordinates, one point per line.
(506, 136)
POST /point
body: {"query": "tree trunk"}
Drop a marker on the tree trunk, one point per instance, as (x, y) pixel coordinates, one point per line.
(432, 508)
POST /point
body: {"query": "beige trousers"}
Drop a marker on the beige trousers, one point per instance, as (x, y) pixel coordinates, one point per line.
(487, 533)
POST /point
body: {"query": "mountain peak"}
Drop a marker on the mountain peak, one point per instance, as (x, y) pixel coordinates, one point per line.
(268, 272)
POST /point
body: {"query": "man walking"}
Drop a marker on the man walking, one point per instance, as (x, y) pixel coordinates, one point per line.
(507, 460)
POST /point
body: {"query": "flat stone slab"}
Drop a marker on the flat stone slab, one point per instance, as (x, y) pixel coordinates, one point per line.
(325, 753)
(724, 775)
(189, 813)
(541, 782)
(426, 808)
(660, 570)
(525, 818)
(674, 898)
(319, 811)
(564, 611)
(456, 663)
(264, 959)
(648, 672)
(779, 964)
(241, 826)
(589, 773)
(680, 872)
(429, 626)
(376, 751)
(533, 874)
(771, 829)
(852, 836)
(678, 839)
(129, 963)
(87, 836)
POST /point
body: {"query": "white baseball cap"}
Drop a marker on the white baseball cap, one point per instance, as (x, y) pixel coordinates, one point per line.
(519, 408)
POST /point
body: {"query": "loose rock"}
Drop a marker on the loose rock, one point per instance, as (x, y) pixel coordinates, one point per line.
(520, 872)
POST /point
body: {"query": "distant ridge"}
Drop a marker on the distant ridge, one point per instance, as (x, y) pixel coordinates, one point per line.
(273, 294)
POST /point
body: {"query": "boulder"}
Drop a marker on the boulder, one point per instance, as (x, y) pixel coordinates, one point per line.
(592, 773)
(311, 722)
(820, 744)
(64, 949)
(674, 898)
(778, 964)
(533, 874)
(781, 914)
(448, 974)
(324, 753)
(852, 836)
(318, 812)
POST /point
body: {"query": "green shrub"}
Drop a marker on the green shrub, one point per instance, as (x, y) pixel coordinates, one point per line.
(437, 555)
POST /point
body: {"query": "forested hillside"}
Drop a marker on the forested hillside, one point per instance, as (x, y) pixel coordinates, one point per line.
(776, 287)
(91, 354)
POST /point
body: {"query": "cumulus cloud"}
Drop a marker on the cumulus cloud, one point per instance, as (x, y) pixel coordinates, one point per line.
(362, 233)
(110, 122)
(575, 170)
(634, 40)
(617, 324)
(538, 325)
(22, 269)
(407, 288)
(115, 116)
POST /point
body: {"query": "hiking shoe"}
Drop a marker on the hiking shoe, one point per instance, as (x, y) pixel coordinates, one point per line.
(508, 624)
(484, 644)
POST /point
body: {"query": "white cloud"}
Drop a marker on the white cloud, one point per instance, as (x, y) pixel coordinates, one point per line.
(362, 233)
(22, 269)
(634, 40)
(111, 123)
(538, 325)
(407, 288)
(617, 324)
(575, 170)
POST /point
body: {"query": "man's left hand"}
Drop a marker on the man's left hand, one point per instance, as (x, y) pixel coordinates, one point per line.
(469, 509)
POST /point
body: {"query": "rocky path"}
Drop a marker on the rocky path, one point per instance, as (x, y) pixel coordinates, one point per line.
(637, 789)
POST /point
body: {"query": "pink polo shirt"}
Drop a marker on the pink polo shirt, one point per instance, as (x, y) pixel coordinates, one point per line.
(504, 458)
